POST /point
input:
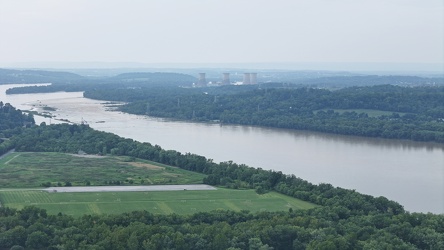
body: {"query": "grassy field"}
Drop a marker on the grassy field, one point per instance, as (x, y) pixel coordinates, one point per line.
(369, 112)
(29, 170)
(26, 169)
(160, 202)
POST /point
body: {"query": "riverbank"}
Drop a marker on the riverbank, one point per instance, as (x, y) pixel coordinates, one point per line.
(369, 165)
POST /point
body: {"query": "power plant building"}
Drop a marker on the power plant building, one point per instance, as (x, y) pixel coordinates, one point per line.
(246, 78)
(253, 78)
(226, 79)
(250, 78)
(202, 82)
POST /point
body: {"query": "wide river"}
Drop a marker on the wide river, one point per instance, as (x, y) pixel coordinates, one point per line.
(410, 173)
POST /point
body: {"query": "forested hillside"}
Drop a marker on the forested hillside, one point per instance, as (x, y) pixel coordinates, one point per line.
(387, 111)
(336, 82)
(8, 76)
(64, 81)
(11, 118)
(319, 228)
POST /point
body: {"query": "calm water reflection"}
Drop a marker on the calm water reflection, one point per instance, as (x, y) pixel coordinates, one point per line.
(409, 172)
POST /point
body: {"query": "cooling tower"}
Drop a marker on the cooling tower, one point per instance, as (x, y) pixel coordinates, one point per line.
(246, 78)
(226, 80)
(202, 82)
(253, 78)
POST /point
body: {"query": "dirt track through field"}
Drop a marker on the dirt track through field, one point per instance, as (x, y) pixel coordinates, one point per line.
(7, 153)
(86, 189)
(12, 159)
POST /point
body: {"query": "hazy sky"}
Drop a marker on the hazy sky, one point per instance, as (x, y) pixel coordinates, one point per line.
(222, 31)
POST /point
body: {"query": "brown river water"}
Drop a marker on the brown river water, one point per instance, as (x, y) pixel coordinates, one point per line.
(411, 173)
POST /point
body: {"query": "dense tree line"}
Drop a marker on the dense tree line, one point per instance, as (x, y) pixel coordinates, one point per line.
(319, 228)
(335, 82)
(414, 113)
(11, 118)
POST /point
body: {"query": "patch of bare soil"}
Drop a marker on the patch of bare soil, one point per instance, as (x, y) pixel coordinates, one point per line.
(88, 156)
(144, 165)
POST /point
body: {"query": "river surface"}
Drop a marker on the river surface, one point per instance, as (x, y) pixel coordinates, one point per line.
(411, 173)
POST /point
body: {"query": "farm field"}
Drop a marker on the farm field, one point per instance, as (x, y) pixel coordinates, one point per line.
(157, 202)
(34, 169)
(23, 174)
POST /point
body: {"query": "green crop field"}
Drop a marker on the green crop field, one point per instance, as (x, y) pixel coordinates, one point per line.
(22, 170)
(158, 202)
(26, 170)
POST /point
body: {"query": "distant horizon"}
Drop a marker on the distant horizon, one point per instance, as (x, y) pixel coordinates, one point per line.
(340, 35)
(407, 67)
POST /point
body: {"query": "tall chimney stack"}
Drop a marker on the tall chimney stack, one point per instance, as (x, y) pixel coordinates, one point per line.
(246, 78)
(202, 81)
(226, 80)
(253, 78)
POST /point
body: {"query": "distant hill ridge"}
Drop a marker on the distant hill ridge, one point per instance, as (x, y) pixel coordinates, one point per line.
(163, 75)
(8, 76)
(36, 76)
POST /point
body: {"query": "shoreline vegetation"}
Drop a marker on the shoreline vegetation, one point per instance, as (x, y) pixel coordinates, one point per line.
(389, 112)
(342, 219)
(392, 107)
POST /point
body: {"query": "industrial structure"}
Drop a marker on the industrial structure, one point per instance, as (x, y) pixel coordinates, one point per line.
(253, 78)
(202, 81)
(248, 78)
(226, 80)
